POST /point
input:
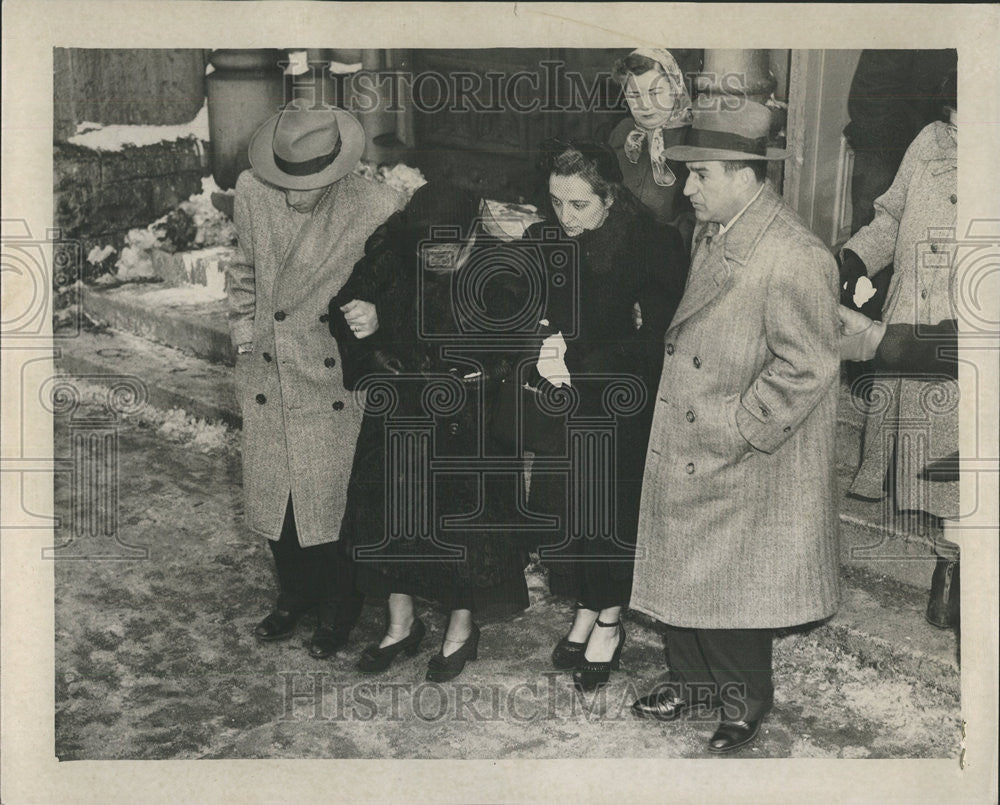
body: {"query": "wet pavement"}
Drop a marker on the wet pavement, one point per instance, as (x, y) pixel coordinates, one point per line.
(155, 657)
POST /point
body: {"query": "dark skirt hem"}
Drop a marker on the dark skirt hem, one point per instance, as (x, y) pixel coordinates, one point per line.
(498, 602)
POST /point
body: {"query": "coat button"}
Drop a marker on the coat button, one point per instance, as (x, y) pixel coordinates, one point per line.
(338, 406)
(670, 349)
(325, 318)
(689, 469)
(329, 363)
(279, 315)
(697, 362)
(261, 399)
(266, 356)
(453, 428)
(953, 199)
(689, 416)
(934, 248)
(923, 293)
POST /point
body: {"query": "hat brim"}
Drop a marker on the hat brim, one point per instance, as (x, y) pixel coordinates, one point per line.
(694, 153)
(352, 145)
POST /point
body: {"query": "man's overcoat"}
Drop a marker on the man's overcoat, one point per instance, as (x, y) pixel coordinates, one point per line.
(738, 523)
(299, 424)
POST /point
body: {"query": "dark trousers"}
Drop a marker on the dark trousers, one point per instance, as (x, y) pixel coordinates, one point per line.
(730, 668)
(318, 576)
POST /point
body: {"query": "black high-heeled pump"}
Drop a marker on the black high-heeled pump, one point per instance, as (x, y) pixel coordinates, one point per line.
(590, 676)
(568, 654)
(374, 659)
(444, 669)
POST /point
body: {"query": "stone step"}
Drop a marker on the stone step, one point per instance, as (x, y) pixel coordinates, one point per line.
(188, 317)
(169, 377)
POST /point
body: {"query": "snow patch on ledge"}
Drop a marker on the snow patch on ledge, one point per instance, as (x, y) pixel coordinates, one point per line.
(115, 138)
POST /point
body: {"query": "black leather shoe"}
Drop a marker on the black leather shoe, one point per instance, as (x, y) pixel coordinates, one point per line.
(568, 654)
(589, 675)
(327, 640)
(279, 625)
(374, 659)
(444, 669)
(663, 706)
(732, 735)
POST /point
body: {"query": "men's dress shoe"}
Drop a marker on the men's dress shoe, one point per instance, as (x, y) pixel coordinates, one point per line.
(733, 734)
(663, 706)
(327, 640)
(278, 625)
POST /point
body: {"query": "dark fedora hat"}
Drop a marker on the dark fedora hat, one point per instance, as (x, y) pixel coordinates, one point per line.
(728, 134)
(305, 149)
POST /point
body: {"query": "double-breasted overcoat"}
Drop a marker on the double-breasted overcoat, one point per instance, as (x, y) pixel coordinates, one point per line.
(299, 424)
(914, 419)
(738, 521)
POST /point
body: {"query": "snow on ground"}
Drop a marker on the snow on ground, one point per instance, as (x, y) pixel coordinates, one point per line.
(116, 137)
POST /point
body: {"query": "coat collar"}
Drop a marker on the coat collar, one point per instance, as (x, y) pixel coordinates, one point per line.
(712, 263)
(741, 239)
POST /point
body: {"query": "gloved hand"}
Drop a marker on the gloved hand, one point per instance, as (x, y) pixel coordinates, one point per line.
(859, 336)
(852, 270)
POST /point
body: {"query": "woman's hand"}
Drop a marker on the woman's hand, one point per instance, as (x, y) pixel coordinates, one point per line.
(361, 317)
(859, 335)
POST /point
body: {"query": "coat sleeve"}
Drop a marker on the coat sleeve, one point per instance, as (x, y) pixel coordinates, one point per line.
(801, 329)
(875, 243)
(664, 263)
(919, 350)
(241, 292)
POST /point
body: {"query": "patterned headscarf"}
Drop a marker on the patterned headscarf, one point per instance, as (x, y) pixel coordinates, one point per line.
(680, 115)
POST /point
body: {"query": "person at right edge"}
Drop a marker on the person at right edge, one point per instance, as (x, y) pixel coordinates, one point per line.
(916, 421)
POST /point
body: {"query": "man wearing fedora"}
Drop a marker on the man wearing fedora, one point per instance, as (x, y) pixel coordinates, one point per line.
(302, 218)
(738, 525)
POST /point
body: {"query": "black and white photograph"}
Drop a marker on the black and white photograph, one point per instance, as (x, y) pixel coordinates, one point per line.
(561, 395)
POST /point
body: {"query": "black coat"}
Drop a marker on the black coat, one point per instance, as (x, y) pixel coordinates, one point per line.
(628, 260)
(420, 508)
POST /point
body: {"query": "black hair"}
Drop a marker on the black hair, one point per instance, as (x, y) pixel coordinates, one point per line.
(439, 207)
(758, 166)
(593, 162)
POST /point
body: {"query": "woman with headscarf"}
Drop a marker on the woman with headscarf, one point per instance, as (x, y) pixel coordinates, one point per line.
(660, 104)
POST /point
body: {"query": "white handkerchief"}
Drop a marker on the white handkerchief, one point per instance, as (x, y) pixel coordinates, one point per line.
(551, 365)
(863, 291)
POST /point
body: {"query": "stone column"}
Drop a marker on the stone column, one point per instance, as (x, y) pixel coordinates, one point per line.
(729, 75)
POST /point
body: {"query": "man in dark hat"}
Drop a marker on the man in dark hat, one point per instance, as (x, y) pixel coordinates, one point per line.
(302, 218)
(738, 524)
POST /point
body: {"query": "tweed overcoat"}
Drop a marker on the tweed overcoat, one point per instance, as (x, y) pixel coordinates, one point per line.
(914, 419)
(738, 521)
(299, 424)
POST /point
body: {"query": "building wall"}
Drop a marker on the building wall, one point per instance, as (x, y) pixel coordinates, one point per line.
(131, 86)
(817, 175)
